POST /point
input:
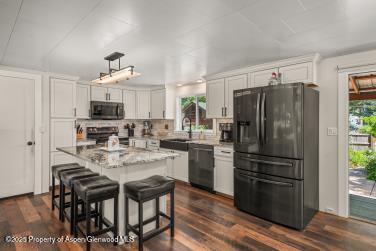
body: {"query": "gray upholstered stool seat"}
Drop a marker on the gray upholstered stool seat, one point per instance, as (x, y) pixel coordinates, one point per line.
(57, 169)
(149, 188)
(69, 176)
(96, 190)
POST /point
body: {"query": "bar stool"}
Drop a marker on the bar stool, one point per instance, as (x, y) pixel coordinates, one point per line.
(145, 190)
(56, 170)
(67, 179)
(96, 190)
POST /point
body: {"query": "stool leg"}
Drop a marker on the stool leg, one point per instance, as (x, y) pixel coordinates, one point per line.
(100, 215)
(140, 226)
(88, 225)
(116, 212)
(172, 205)
(96, 211)
(53, 193)
(72, 210)
(157, 211)
(62, 201)
(126, 215)
(75, 218)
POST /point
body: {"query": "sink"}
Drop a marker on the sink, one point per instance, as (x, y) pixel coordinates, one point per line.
(175, 144)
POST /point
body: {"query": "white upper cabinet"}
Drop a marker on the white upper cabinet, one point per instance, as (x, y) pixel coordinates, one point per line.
(129, 101)
(63, 133)
(83, 101)
(215, 94)
(63, 98)
(99, 93)
(158, 102)
(143, 104)
(115, 95)
(297, 73)
(261, 78)
(232, 84)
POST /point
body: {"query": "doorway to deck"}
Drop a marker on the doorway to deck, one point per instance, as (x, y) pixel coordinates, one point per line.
(362, 146)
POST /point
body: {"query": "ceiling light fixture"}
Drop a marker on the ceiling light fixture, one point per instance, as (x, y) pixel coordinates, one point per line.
(199, 80)
(115, 75)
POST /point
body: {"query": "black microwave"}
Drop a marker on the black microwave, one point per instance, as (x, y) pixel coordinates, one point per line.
(106, 110)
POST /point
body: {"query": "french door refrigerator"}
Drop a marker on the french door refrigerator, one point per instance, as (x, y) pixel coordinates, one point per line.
(276, 152)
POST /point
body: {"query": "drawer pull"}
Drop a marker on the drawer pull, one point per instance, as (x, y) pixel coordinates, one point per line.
(267, 181)
(266, 162)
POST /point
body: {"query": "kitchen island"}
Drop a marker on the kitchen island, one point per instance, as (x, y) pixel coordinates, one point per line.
(123, 166)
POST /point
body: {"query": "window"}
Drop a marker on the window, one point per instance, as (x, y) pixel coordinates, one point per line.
(194, 108)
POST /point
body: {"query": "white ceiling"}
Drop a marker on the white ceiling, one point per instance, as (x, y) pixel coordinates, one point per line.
(177, 41)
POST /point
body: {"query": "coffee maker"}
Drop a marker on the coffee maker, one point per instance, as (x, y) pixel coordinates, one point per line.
(146, 131)
(226, 132)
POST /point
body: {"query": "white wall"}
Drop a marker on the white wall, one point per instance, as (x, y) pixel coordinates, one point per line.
(328, 82)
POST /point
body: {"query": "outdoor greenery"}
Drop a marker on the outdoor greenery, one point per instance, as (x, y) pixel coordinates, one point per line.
(362, 108)
(371, 169)
(358, 158)
(370, 125)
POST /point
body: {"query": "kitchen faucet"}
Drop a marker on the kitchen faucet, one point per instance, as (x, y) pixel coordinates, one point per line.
(190, 126)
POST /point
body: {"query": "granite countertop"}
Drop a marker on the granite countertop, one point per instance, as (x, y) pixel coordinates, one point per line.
(130, 156)
(212, 142)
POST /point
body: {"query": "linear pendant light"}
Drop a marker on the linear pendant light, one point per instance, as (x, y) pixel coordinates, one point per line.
(115, 75)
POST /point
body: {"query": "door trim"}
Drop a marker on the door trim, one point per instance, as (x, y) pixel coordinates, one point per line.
(343, 133)
(38, 128)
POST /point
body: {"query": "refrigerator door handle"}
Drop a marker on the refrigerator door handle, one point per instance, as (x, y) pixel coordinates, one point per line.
(258, 118)
(263, 118)
(266, 162)
(267, 181)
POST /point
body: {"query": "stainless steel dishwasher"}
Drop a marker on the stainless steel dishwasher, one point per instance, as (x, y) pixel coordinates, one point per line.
(201, 166)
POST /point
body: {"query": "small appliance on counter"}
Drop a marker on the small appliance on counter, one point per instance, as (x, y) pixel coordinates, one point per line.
(102, 134)
(130, 129)
(113, 143)
(146, 131)
(226, 132)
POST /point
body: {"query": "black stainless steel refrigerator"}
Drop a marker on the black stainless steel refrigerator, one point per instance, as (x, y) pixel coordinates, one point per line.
(276, 143)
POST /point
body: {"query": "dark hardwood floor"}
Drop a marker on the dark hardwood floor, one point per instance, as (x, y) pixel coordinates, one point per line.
(203, 222)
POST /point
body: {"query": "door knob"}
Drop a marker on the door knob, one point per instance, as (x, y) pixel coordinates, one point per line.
(30, 143)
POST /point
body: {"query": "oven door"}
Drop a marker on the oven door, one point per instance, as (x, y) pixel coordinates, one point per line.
(106, 110)
(273, 198)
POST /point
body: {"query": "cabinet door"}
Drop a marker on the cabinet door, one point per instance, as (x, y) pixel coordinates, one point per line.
(63, 133)
(83, 101)
(63, 98)
(261, 78)
(157, 107)
(215, 95)
(297, 73)
(143, 104)
(115, 95)
(99, 93)
(224, 176)
(232, 84)
(180, 166)
(129, 101)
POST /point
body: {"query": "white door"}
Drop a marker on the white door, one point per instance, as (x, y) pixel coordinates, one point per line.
(157, 107)
(297, 73)
(143, 104)
(83, 101)
(261, 78)
(129, 101)
(232, 84)
(16, 130)
(99, 93)
(180, 166)
(63, 98)
(215, 95)
(115, 95)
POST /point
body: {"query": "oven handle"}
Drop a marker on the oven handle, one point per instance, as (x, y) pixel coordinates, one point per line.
(201, 149)
(266, 162)
(267, 181)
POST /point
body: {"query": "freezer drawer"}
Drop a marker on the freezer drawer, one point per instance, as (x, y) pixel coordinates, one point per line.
(276, 199)
(288, 168)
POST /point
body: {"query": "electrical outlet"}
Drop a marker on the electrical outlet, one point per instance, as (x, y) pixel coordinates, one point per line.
(332, 131)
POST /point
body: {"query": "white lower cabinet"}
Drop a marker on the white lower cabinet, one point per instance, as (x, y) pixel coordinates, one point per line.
(223, 171)
(177, 167)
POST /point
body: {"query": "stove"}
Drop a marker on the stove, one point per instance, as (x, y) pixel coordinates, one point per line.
(101, 134)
